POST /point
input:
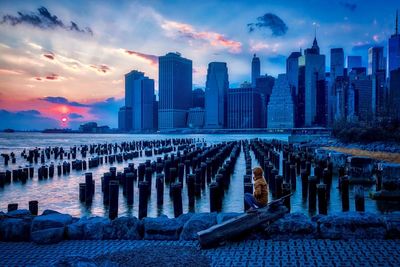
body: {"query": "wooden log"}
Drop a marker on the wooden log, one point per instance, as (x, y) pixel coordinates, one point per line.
(238, 226)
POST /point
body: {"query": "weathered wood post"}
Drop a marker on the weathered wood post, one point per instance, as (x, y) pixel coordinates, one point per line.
(344, 184)
(293, 177)
(143, 198)
(322, 199)
(177, 199)
(89, 187)
(12, 207)
(129, 188)
(312, 193)
(286, 191)
(278, 185)
(106, 188)
(114, 192)
(82, 192)
(160, 188)
(215, 198)
(191, 189)
(359, 198)
(304, 183)
(34, 207)
(248, 188)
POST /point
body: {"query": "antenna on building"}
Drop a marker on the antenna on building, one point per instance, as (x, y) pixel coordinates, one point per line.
(397, 21)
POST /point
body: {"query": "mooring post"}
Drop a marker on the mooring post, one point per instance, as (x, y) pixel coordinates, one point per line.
(322, 199)
(160, 188)
(344, 184)
(248, 188)
(286, 191)
(177, 199)
(312, 193)
(129, 188)
(359, 198)
(143, 198)
(191, 189)
(34, 207)
(114, 192)
(12, 207)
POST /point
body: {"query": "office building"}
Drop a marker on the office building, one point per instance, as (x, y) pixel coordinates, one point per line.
(175, 90)
(394, 94)
(125, 119)
(376, 60)
(244, 105)
(198, 98)
(196, 118)
(264, 85)
(217, 85)
(394, 48)
(336, 71)
(280, 106)
(255, 70)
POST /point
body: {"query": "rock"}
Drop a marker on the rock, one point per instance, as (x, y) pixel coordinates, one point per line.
(76, 261)
(47, 212)
(162, 228)
(126, 228)
(48, 236)
(391, 176)
(183, 218)
(224, 216)
(74, 231)
(360, 170)
(15, 229)
(96, 228)
(51, 220)
(338, 159)
(198, 222)
(19, 213)
(392, 223)
(351, 225)
(292, 226)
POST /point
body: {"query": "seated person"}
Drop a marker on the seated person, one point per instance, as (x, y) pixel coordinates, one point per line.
(260, 197)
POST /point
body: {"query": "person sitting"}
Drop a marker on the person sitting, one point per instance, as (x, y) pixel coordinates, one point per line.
(260, 197)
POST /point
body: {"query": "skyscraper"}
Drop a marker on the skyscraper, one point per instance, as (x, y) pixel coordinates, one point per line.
(314, 85)
(337, 70)
(280, 106)
(354, 62)
(198, 97)
(394, 48)
(264, 85)
(376, 59)
(217, 85)
(292, 71)
(244, 105)
(255, 70)
(139, 97)
(175, 90)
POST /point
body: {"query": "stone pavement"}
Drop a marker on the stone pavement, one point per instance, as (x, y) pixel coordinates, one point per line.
(246, 253)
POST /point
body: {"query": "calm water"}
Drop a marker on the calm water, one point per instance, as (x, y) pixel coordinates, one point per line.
(61, 193)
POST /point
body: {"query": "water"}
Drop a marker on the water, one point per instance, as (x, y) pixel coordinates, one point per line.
(61, 193)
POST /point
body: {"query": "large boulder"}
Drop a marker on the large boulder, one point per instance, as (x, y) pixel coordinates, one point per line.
(198, 222)
(224, 216)
(162, 228)
(52, 220)
(48, 236)
(97, 228)
(392, 222)
(15, 229)
(74, 231)
(19, 213)
(292, 226)
(126, 228)
(391, 176)
(47, 212)
(351, 225)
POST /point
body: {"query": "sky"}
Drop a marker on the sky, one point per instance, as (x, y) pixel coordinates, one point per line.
(62, 63)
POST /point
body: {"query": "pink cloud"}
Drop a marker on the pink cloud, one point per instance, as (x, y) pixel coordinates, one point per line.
(49, 77)
(8, 72)
(153, 60)
(213, 38)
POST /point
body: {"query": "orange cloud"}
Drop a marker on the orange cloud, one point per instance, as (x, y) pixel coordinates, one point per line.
(153, 60)
(189, 32)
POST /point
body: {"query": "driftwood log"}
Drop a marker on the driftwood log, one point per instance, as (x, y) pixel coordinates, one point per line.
(237, 226)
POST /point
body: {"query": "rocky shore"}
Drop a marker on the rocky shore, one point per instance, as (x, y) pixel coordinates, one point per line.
(52, 227)
(323, 141)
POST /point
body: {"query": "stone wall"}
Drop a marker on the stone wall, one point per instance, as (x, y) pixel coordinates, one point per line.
(52, 227)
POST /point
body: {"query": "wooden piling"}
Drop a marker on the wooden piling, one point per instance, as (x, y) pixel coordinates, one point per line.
(113, 205)
(322, 199)
(143, 199)
(344, 184)
(312, 193)
(33, 207)
(177, 199)
(359, 198)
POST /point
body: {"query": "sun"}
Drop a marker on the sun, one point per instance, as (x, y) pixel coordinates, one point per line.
(64, 119)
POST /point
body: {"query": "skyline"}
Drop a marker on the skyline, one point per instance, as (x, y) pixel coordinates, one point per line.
(53, 69)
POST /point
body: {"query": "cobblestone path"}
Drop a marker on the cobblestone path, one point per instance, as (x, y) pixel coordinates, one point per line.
(246, 253)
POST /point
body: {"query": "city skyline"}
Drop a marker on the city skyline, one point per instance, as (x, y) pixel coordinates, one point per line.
(58, 69)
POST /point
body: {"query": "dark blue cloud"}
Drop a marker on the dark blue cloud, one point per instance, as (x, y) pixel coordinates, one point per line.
(43, 19)
(25, 120)
(75, 116)
(271, 21)
(62, 100)
(350, 6)
(107, 111)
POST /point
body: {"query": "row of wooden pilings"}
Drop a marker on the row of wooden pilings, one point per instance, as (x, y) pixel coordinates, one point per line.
(297, 162)
(194, 169)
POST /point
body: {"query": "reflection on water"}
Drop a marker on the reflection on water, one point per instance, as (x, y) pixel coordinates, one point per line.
(61, 193)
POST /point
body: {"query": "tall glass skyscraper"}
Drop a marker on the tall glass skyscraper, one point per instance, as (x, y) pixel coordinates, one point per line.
(175, 90)
(280, 106)
(255, 69)
(394, 48)
(376, 60)
(217, 85)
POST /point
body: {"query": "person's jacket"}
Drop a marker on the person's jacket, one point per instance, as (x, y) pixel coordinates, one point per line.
(260, 187)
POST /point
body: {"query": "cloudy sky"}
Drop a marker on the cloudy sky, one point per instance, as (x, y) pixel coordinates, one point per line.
(67, 59)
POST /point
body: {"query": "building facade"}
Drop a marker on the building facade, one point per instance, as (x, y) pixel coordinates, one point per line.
(280, 106)
(255, 69)
(175, 90)
(394, 48)
(244, 105)
(217, 85)
(196, 118)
